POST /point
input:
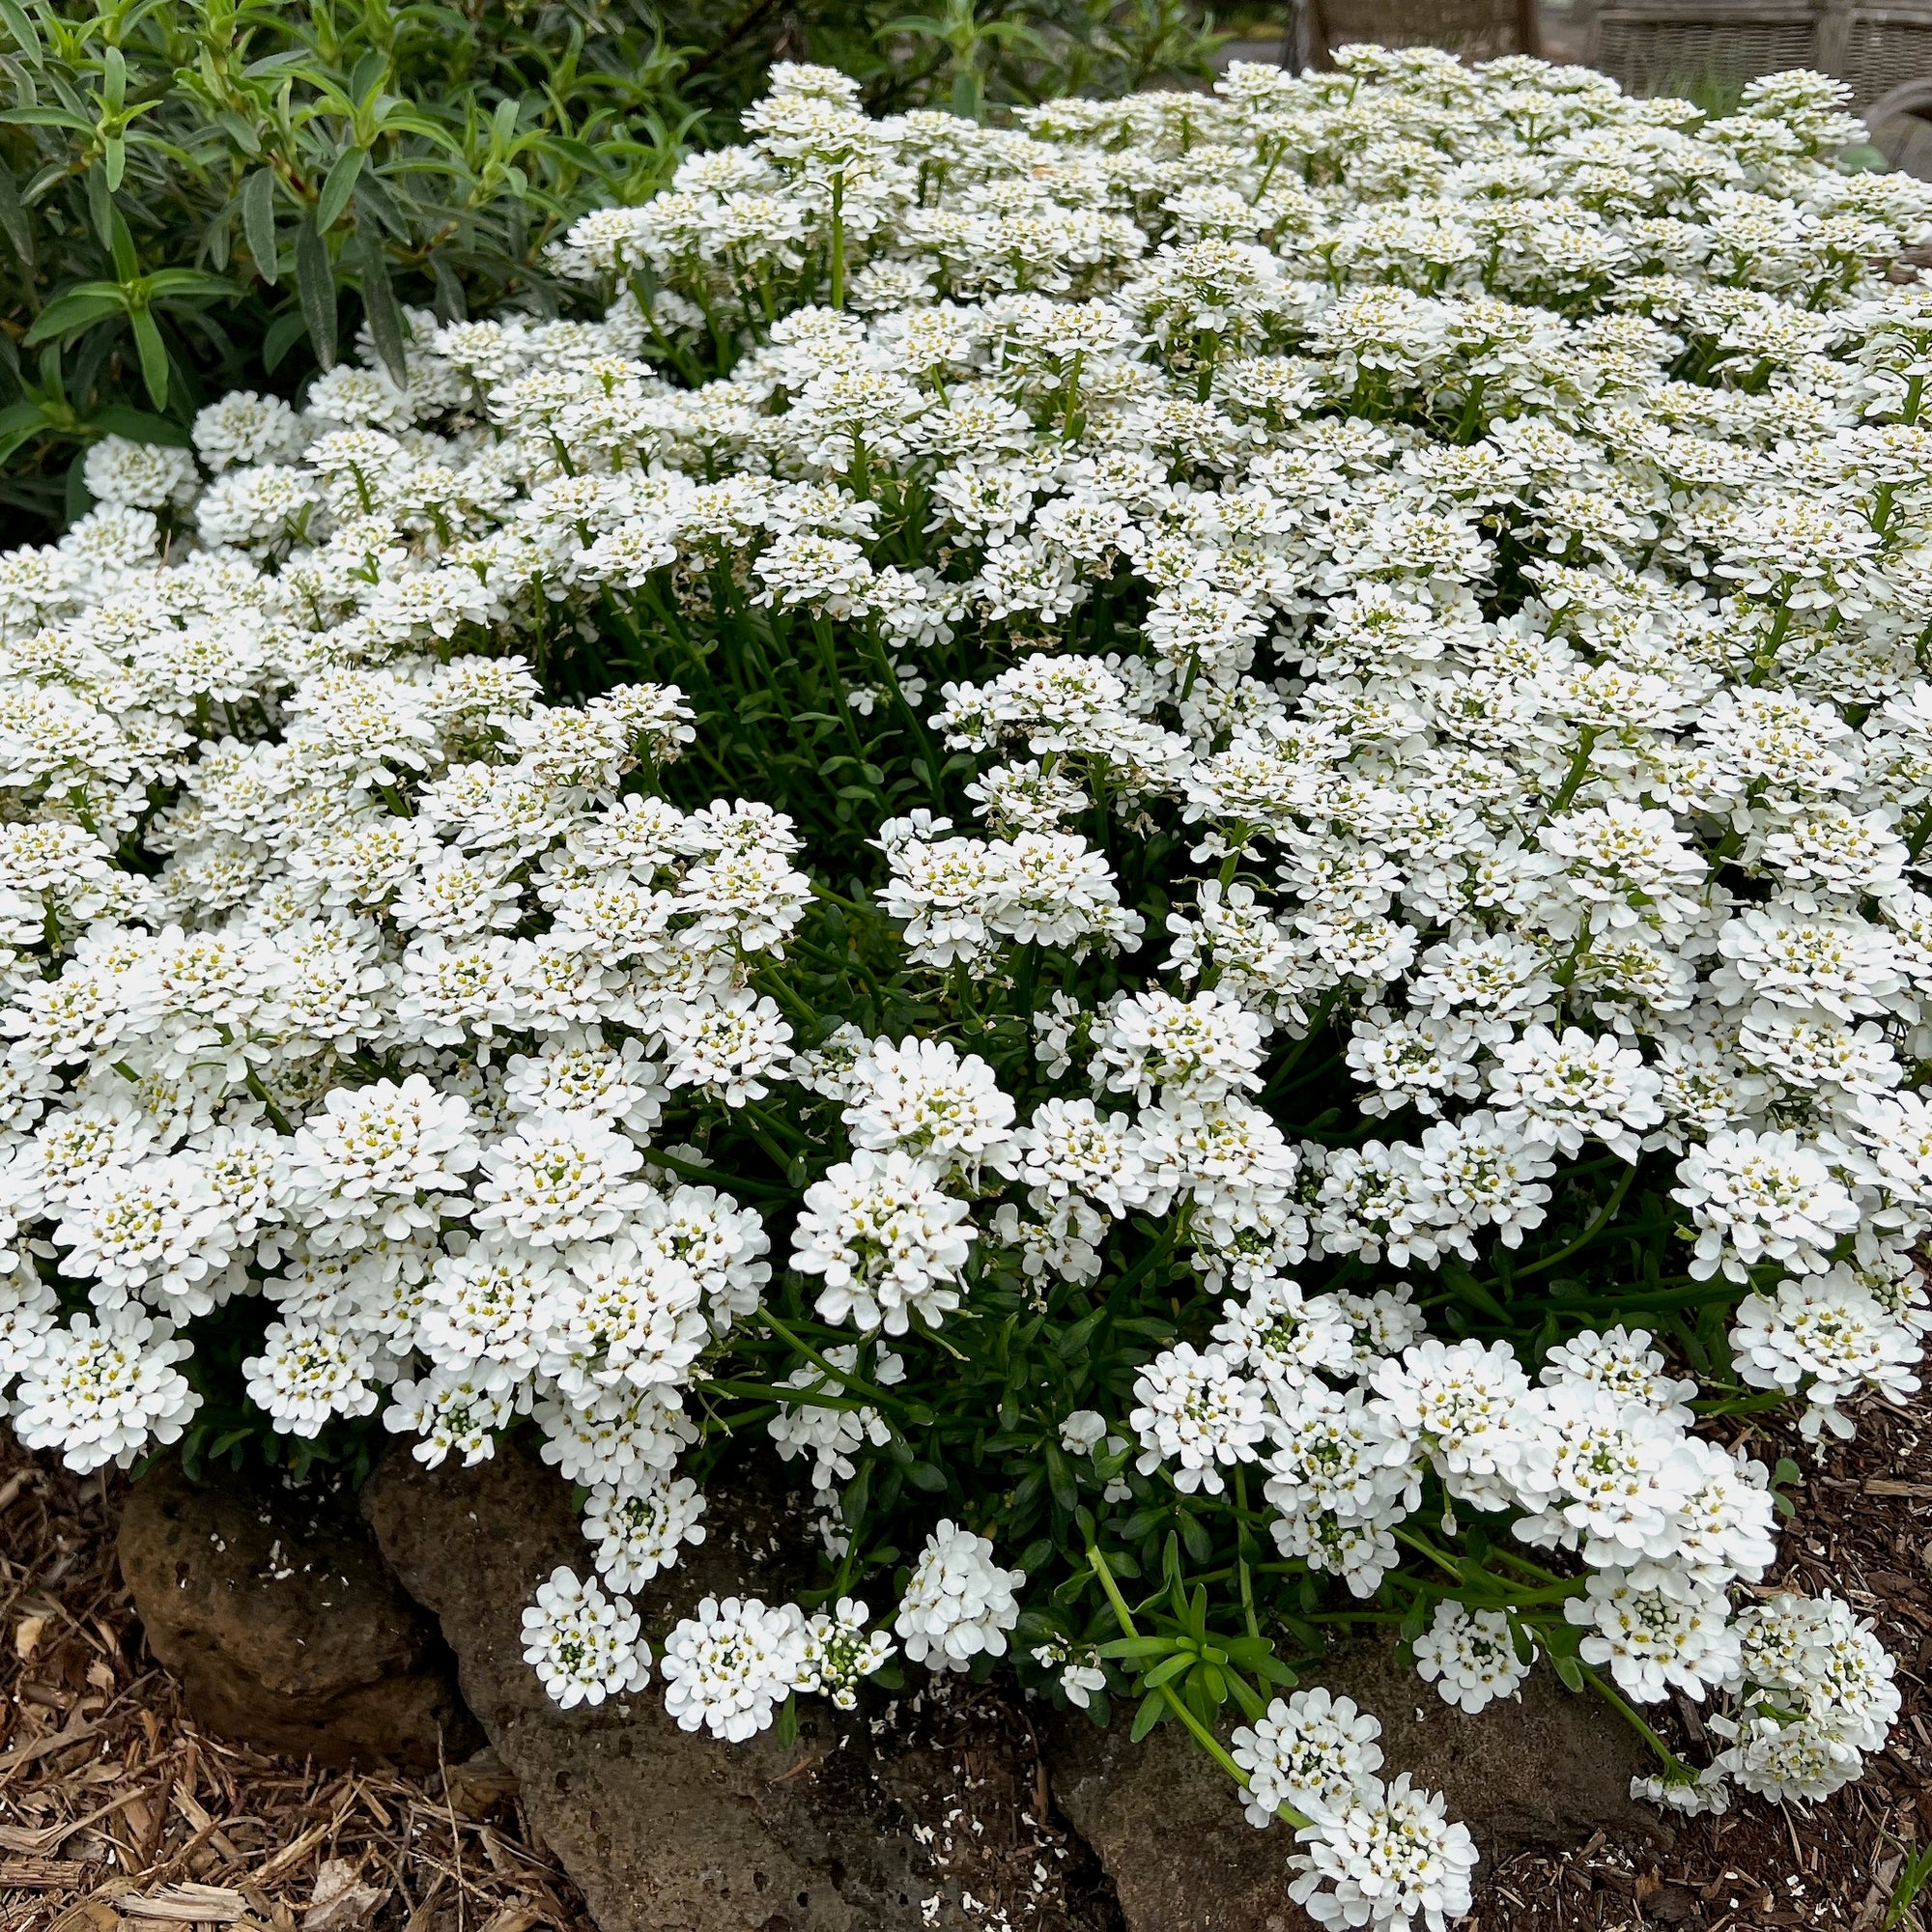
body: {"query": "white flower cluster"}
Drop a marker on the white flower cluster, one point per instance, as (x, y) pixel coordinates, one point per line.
(1443, 548)
(1378, 1854)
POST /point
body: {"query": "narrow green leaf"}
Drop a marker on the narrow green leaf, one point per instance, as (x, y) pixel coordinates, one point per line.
(114, 75)
(379, 305)
(121, 240)
(13, 220)
(154, 358)
(1571, 1672)
(284, 332)
(68, 313)
(138, 426)
(258, 222)
(11, 440)
(116, 156)
(26, 35)
(1152, 1707)
(337, 189)
(99, 206)
(79, 498)
(315, 288)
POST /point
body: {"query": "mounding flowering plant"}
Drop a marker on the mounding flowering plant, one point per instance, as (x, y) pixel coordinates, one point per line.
(1187, 841)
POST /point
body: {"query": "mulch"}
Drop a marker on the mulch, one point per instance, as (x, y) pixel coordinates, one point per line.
(119, 1814)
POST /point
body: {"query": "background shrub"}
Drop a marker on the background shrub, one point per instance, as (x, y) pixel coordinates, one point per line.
(198, 196)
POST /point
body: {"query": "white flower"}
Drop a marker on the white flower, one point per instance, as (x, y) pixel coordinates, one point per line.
(558, 1179)
(1762, 1197)
(640, 1530)
(1389, 1858)
(582, 1645)
(923, 1095)
(725, 1047)
(1313, 1751)
(1205, 1048)
(1562, 1091)
(1195, 1416)
(840, 1651)
(888, 1240)
(728, 1667)
(960, 1604)
(1471, 1656)
(307, 1372)
(1461, 1405)
(102, 1390)
(1829, 1336)
(1656, 1629)
(377, 1160)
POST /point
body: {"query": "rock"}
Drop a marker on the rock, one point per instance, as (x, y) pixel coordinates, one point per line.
(273, 1607)
(1539, 1773)
(1545, 1772)
(666, 1831)
(1163, 1821)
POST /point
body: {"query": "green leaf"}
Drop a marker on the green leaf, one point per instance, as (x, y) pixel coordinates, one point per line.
(79, 498)
(69, 314)
(115, 160)
(154, 356)
(787, 1724)
(1136, 1649)
(258, 222)
(284, 332)
(337, 189)
(379, 305)
(121, 240)
(138, 426)
(190, 282)
(99, 206)
(314, 289)
(26, 35)
(1168, 1669)
(1152, 1707)
(11, 440)
(15, 223)
(1570, 1671)
(925, 1476)
(1059, 1476)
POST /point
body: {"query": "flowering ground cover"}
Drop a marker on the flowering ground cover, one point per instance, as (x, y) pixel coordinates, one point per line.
(1187, 839)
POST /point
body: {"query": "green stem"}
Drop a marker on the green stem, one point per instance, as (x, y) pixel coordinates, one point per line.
(1202, 1735)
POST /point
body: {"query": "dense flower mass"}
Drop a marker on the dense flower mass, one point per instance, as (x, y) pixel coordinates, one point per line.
(1207, 813)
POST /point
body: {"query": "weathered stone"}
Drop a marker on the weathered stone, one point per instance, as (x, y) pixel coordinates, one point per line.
(666, 1831)
(1545, 1772)
(1541, 1772)
(273, 1607)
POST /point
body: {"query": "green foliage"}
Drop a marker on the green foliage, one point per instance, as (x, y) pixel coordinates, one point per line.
(198, 195)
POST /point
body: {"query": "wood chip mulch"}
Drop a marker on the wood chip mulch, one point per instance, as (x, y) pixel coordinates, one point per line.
(119, 1814)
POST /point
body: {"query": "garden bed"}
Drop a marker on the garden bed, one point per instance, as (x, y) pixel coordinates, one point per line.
(1868, 1511)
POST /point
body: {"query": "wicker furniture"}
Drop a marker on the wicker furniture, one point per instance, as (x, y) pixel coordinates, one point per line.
(1669, 47)
(1475, 29)
(1901, 123)
(1877, 49)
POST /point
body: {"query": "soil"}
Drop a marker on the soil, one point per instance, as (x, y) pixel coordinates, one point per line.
(117, 1810)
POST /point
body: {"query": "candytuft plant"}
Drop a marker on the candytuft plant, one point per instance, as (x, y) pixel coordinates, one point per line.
(1185, 842)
